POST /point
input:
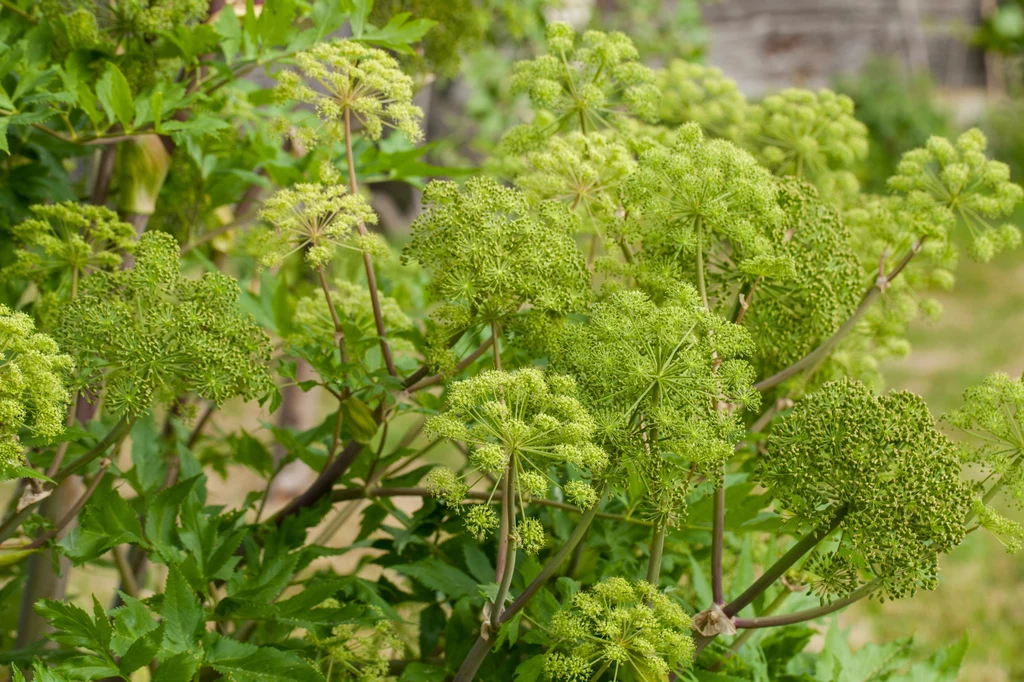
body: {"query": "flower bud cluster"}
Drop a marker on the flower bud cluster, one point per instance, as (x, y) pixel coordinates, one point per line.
(352, 80)
(971, 189)
(876, 466)
(587, 82)
(622, 627)
(33, 394)
(149, 334)
(525, 423)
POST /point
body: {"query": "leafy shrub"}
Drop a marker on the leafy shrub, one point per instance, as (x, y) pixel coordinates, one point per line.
(642, 341)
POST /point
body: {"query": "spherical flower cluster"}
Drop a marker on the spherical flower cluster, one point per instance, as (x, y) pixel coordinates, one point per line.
(522, 424)
(622, 629)
(695, 92)
(313, 218)
(972, 190)
(583, 171)
(64, 242)
(702, 197)
(649, 373)
(992, 419)
(807, 134)
(148, 334)
(789, 317)
(878, 469)
(586, 85)
(489, 253)
(353, 80)
(33, 393)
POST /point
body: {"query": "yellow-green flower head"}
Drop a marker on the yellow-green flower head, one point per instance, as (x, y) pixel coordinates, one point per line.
(523, 421)
(313, 218)
(583, 171)
(703, 194)
(627, 630)
(649, 372)
(879, 466)
(586, 83)
(695, 92)
(489, 252)
(148, 334)
(961, 181)
(807, 134)
(992, 422)
(340, 76)
(788, 317)
(33, 394)
(66, 241)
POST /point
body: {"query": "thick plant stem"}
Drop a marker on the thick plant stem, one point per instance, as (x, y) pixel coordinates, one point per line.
(807, 614)
(119, 431)
(657, 551)
(371, 275)
(717, 544)
(474, 659)
(784, 563)
(482, 647)
(701, 286)
(508, 567)
(816, 356)
(339, 331)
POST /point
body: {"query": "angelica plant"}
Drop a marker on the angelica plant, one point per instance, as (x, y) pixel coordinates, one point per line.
(615, 411)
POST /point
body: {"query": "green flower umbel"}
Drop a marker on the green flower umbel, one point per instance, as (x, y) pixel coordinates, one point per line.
(148, 334)
(877, 468)
(355, 80)
(811, 135)
(586, 85)
(522, 424)
(65, 242)
(972, 189)
(701, 202)
(33, 393)
(489, 252)
(619, 630)
(694, 92)
(316, 219)
(992, 419)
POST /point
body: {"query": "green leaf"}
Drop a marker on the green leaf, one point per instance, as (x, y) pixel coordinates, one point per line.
(477, 562)
(530, 670)
(178, 668)
(181, 612)
(162, 515)
(942, 666)
(437, 575)
(360, 419)
(398, 34)
(230, 30)
(249, 663)
(3, 136)
(359, 15)
(253, 454)
(115, 96)
(150, 468)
